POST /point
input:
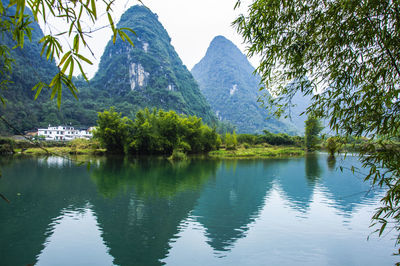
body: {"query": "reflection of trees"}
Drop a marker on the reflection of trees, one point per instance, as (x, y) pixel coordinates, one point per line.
(331, 161)
(312, 168)
(157, 195)
(37, 193)
(152, 176)
(228, 206)
(139, 224)
(6, 160)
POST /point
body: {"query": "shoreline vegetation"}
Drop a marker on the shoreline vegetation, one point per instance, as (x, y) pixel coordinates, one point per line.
(241, 152)
(258, 152)
(232, 147)
(178, 137)
(244, 150)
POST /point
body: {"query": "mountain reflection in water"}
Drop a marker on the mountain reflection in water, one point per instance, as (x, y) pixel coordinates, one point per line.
(197, 212)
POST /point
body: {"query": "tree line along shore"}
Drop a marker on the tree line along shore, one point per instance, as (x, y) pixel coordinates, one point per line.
(166, 133)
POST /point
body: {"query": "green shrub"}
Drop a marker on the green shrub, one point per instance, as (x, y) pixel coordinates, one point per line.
(332, 145)
(6, 146)
(178, 155)
(231, 141)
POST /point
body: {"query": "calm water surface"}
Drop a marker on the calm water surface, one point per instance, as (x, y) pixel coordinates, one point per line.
(203, 212)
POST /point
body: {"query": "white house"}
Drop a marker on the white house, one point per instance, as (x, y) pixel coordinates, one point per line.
(63, 133)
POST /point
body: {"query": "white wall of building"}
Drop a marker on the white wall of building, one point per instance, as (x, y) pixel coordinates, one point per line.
(63, 133)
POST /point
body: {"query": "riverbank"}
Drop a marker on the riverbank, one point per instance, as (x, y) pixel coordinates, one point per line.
(74, 147)
(92, 147)
(61, 151)
(258, 152)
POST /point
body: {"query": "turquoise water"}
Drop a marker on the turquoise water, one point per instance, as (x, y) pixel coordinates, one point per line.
(301, 211)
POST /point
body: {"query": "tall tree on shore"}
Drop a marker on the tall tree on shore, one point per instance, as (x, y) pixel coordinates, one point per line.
(349, 51)
(312, 129)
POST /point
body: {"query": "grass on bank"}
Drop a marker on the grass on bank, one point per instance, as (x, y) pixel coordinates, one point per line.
(74, 147)
(259, 152)
(63, 151)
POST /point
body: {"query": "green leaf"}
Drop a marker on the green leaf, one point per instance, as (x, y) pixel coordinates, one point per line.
(66, 55)
(82, 71)
(59, 91)
(66, 64)
(38, 87)
(382, 228)
(94, 12)
(125, 36)
(76, 43)
(84, 59)
(110, 20)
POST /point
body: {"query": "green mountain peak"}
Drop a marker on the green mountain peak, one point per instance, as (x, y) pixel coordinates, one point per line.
(150, 74)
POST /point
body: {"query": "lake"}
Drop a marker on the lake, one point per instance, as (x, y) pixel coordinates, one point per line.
(300, 211)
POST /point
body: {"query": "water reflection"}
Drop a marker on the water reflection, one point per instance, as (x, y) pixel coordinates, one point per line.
(151, 211)
(312, 168)
(37, 196)
(297, 180)
(143, 204)
(331, 161)
(75, 231)
(151, 177)
(229, 204)
(345, 190)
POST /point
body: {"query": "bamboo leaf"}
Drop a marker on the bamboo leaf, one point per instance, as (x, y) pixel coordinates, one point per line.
(64, 58)
(66, 64)
(38, 87)
(84, 59)
(82, 71)
(110, 20)
(93, 3)
(59, 91)
(76, 43)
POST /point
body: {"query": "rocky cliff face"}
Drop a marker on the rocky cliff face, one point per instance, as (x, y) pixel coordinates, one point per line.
(226, 79)
(150, 74)
(138, 78)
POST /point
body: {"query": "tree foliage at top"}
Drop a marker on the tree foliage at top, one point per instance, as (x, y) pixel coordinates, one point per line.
(349, 51)
(16, 20)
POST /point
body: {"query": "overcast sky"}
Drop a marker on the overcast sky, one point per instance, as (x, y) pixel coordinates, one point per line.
(191, 24)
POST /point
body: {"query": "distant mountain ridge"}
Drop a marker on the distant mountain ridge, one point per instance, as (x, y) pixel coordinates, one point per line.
(227, 80)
